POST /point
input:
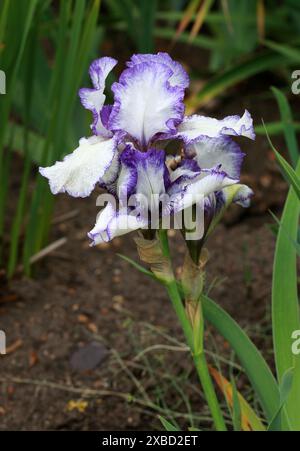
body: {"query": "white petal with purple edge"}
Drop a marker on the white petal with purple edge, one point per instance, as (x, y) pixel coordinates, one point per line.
(145, 103)
(81, 170)
(99, 70)
(151, 173)
(195, 126)
(243, 196)
(179, 77)
(196, 190)
(112, 223)
(93, 99)
(212, 152)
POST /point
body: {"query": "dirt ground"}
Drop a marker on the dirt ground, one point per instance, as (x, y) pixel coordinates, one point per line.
(91, 299)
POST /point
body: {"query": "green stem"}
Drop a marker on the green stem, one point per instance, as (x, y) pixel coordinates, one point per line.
(180, 312)
(198, 356)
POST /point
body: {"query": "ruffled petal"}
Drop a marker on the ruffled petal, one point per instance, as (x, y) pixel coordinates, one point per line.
(194, 127)
(212, 152)
(208, 182)
(112, 223)
(99, 70)
(179, 77)
(93, 99)
(93, 161)
(145, 102)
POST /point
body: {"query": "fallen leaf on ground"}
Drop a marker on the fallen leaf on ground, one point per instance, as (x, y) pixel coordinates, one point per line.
(13, 347)
(79, 405)
(32, 359)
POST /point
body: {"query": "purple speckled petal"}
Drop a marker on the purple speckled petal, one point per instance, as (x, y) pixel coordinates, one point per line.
(145, 103)
(93, 99)
(112, 223)
(127, 180)
(104, 114)
(196, 127)
(151, 171)
(93, 161)
(212, 152)
(178, 78)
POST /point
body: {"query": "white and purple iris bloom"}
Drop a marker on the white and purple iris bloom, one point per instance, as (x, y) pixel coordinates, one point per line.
(126, 156)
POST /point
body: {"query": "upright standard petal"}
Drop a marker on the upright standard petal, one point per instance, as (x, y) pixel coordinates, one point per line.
(145, 103)
(179, 77)
(93, 99)
(217, 152)
(93, 161)
(195, 127)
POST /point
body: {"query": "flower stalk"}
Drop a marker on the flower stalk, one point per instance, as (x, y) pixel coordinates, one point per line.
(192, 323)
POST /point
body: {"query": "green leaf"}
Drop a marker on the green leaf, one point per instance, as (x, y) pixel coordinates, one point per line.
(285, 50)
(147, 22)
(284, 388)
(288, 172)
(167, 425)
(278, 224)
(138, 266)
(288, 127)
(236, 408)
(255, 366)
(274, 128)
(285, 307)
(241, 71)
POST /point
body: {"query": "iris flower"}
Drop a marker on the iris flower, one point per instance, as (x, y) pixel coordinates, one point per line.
(126, 153)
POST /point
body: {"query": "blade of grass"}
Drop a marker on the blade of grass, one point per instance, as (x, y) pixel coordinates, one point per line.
(255, 366)
(200, 17)
(147, 22)
(54, 93)
(6, 104)
(27, 100)
(284, 388)
(287, 123)
(187, 17)
(237, 408)
(285, 50)
(274, 128)
(258, 63)
(167, 425)
(261, 18)
(287, 171)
